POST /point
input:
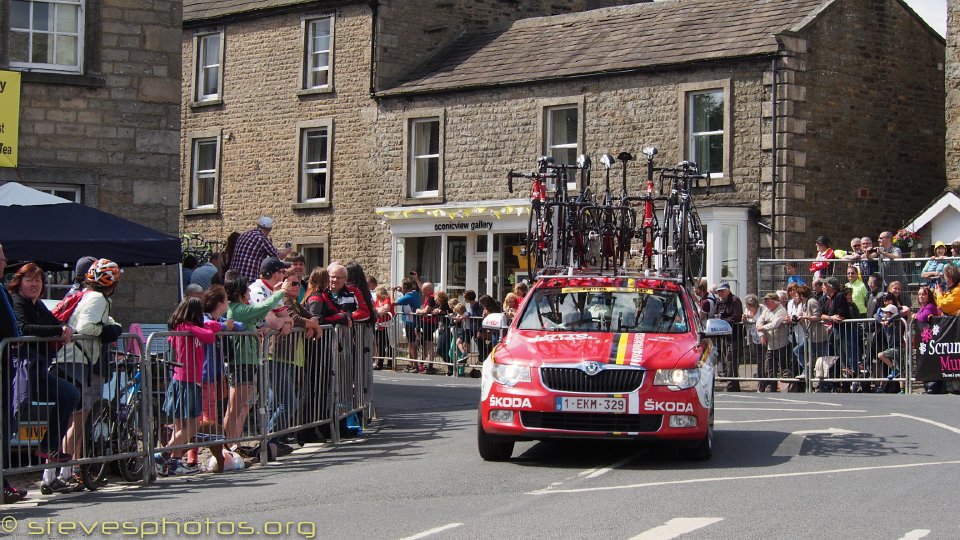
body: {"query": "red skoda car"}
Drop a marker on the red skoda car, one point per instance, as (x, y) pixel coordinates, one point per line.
(601, 357)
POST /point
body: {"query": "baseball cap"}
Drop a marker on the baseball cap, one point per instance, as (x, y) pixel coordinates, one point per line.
(833, 283)
(84, 264)
(891, 309)
(823, 240)
(939, 244)
(265, 222)
(771, 296)
(272, 265)
(723, 287)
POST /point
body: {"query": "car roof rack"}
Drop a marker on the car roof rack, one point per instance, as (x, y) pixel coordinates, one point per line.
(587, 272)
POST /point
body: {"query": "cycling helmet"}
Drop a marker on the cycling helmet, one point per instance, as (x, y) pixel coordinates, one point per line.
(104, 272)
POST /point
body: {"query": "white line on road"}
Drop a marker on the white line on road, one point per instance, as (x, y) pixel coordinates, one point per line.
(788, 410)
(604, 470)
(795, 419)
(675, 527)
(927, 421)
(436, 530)
(915, 534)
(807, 402)
(748, 477)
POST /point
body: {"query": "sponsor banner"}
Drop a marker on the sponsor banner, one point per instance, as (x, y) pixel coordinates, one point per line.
(939, 350)
(9, 117)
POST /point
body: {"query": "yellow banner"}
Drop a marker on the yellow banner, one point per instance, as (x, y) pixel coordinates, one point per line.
(9, 117)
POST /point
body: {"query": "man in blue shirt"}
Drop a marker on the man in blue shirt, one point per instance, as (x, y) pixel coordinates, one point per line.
(411, 302)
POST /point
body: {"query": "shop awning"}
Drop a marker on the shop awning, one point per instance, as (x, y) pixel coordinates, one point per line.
(497, 209)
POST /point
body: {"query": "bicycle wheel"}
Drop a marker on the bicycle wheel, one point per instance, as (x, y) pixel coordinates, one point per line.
(131, 438)
(97, 443)
(696, 250)
(534, 239)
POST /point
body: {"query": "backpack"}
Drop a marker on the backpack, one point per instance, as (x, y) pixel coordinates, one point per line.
(65, 308)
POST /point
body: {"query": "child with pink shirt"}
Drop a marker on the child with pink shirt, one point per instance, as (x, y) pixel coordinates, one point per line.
(184, 400)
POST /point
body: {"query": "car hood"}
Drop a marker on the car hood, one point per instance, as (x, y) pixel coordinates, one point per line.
(650, 351)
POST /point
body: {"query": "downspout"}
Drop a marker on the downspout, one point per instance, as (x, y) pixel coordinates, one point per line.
(773, 153)
(374, 9)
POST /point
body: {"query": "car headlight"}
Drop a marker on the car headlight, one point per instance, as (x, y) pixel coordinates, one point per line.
(510, 374)
(678, 379)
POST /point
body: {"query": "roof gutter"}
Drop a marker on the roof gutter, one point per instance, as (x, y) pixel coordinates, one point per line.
(265, 12)
(576, 76)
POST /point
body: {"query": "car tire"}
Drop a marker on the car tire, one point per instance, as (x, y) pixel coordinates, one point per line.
(491, 447)
(703, 450)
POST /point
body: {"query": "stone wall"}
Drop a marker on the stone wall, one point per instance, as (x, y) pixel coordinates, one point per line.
(114, 131)
(406, 37)
(258, 118)
(868, 94)
(953, 93)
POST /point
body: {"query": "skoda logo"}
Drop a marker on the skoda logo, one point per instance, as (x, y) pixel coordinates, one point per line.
(592, 368)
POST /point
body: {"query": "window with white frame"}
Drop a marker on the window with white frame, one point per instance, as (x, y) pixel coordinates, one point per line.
(68, 192)
(318, 53)
(315, 164)
(209, 74)
(705, 119)
(561, 137)
(205, 172)
(424, 157)
(47, 35)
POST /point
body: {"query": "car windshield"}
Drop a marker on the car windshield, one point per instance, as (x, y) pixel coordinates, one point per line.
(604, 309)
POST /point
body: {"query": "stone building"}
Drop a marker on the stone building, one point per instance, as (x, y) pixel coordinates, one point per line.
(853, 148)
(279, 118)
(99, 118)
(953, 94)
(393, 149)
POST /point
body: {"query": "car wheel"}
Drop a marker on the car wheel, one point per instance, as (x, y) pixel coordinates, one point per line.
(491, 447)
(704, 449)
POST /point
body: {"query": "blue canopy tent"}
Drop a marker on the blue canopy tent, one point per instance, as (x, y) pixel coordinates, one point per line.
(55, 232)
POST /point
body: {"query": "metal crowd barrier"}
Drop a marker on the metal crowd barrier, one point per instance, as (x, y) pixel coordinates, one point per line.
(253, 387)
(772, 276)
(424, 341)
(45, 414)
(848, 358)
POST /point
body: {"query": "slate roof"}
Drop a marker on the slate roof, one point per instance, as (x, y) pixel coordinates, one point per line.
(198, 10)
(609, 40)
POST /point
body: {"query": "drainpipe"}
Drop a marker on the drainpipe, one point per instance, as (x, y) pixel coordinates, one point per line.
(773, 154)
(374, 10)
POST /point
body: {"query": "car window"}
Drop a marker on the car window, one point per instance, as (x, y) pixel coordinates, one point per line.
(604, 309)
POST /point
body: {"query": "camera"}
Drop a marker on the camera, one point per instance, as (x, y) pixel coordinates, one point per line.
(795, 319)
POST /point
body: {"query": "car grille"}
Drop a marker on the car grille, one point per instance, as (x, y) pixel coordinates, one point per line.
(608, 381)
(601, 422)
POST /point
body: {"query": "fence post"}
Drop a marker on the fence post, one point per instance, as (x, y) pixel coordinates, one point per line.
(335, 384)
(146, 397)
(263, 389)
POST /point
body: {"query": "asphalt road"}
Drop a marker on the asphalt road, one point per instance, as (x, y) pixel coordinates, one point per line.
(784, 466)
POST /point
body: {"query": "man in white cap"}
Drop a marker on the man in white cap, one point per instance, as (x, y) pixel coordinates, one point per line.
(253, 247)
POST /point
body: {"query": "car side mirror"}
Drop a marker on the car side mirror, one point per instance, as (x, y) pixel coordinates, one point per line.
(495, 321)
(716, 328)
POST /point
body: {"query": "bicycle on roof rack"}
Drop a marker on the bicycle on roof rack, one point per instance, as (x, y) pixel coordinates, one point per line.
(595, 233)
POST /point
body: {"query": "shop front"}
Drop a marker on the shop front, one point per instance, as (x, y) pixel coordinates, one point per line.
(460, 246)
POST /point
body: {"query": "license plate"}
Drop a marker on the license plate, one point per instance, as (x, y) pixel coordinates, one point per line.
(584, 404)
(32, 433)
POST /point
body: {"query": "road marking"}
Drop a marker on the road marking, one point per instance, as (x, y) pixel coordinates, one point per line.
(436, 530)
(795, 419)
(676, 527)
(791, 445)
(807, 402)
(787, 410)
(604, 470)
(915, 534)
(748, 477)
(927, 421)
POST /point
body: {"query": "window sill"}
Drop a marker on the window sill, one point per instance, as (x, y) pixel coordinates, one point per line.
(206, 103)
(201, 211)
(307, 92)
(62, 78)
(415, 201)
(310, 205)
(721, 181)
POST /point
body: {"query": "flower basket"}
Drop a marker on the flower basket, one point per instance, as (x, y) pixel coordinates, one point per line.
(905, 239)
